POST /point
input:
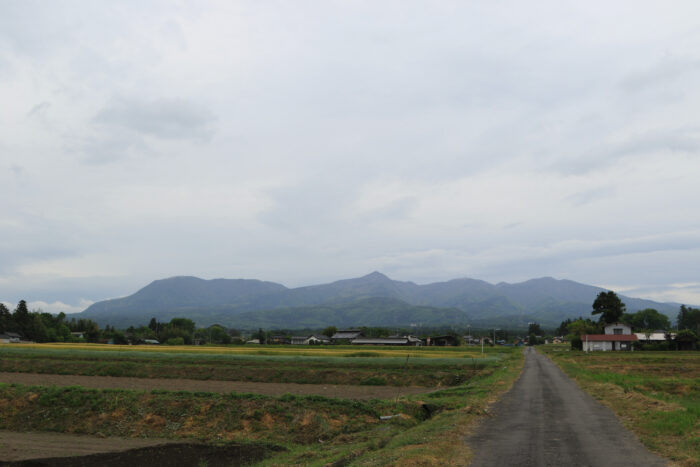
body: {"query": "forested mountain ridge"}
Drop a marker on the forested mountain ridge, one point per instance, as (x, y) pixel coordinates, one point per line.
(356, 302)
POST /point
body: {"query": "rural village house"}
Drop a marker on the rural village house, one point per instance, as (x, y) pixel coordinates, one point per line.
(279, 340)
(345, 336)
(9, 338)
(314, 339)
(618, 336)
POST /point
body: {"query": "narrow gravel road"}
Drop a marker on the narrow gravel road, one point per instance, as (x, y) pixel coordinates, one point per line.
(546, 420)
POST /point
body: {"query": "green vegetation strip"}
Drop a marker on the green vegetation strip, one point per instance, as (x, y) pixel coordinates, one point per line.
(655, 394)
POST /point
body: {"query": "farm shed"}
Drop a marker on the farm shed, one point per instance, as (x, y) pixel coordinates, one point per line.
(345, 336)
(656, 336)
(393, 340)
(618, 336)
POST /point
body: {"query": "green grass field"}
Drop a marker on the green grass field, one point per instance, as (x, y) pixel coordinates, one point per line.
(655, 394)
(426, 429)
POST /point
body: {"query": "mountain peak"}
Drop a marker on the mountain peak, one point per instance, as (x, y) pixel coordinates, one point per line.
(375, 275)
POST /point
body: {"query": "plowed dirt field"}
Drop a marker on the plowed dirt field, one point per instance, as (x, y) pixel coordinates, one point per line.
(270, 389)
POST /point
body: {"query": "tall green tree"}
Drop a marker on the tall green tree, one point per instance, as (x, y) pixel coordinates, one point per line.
(689, 318)
(6, 322)
(686, 340)
(647, 319)
(260, 336)
(609, 306)
(534, 328)
(21, 318)
(580, 327)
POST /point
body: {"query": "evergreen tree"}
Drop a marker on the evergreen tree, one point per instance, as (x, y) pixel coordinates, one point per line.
(6, 321)
(21, 318)
(609, 306)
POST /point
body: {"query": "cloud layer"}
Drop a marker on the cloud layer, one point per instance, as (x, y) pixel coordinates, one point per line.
(313, 141)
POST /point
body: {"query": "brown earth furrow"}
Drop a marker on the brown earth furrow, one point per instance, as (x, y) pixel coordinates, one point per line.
(270, 389)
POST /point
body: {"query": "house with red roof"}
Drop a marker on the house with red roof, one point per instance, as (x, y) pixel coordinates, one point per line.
(618, 336)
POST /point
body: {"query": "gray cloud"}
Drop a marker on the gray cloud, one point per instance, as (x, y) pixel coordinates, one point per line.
(665, 72)
(684, 140)
(38, 109)
(314, 141)
(161, 118)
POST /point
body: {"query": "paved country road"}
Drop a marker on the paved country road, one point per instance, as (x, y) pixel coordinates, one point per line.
(546, 420)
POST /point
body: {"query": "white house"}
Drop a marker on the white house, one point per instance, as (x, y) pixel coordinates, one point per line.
(313, 339)
(618, 336)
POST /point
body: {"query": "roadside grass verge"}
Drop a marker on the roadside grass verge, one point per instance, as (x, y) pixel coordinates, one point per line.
(655, 394)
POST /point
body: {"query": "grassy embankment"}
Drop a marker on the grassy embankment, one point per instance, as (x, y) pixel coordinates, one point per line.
(428, 430)
(655, 394)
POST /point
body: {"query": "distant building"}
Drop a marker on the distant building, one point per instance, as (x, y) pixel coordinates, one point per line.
(653, 337)
(442, 341)
(10, 338)
(618, 336)
(279, 340)
(392, 340)
(314, 339)
(345, 336)
(318, 339)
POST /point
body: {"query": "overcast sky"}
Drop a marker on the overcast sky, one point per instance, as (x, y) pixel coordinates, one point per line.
(308, 141)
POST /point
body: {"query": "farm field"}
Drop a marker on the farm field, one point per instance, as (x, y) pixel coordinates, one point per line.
(323, 365)
(655, 394)
(454, 387)
(345, 391)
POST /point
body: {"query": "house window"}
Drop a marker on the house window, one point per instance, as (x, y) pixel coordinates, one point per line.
(617, 330)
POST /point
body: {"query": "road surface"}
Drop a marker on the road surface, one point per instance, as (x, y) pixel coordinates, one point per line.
(546, 420)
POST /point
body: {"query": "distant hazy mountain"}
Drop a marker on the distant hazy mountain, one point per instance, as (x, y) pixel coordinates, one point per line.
(371, 300)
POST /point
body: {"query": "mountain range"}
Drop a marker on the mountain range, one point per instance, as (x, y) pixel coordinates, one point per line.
(371, 300)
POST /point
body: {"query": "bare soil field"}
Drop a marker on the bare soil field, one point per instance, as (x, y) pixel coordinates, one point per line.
(16, 446)
(60, 449)
(222, 387)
